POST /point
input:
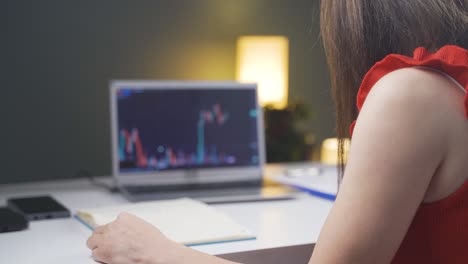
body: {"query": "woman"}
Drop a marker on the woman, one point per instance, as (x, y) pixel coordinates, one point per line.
(404, 195)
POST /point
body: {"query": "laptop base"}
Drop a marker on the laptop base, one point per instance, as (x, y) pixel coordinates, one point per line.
(232, 195)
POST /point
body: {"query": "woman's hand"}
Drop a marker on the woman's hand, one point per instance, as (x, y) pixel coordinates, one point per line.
(129, 239)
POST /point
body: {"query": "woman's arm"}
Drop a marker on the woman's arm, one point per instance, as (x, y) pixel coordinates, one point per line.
(129, 240)
(398, 143)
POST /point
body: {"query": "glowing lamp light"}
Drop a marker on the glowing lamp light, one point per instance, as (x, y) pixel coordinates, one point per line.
(264, 60)
(329, 151)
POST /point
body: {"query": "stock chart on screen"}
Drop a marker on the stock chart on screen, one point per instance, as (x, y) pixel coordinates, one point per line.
(168, 129)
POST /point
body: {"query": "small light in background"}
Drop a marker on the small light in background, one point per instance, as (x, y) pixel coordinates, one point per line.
(264, 60)
(329, 151)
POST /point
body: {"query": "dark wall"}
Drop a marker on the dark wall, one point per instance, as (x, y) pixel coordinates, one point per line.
(57, 58)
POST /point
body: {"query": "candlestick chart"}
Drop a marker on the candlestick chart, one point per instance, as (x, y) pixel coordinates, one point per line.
(195, 134)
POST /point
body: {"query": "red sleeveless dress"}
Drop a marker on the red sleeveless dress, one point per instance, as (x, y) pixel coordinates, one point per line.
(439, 231)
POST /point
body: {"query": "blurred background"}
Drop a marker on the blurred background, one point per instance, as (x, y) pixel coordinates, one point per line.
(57, 58)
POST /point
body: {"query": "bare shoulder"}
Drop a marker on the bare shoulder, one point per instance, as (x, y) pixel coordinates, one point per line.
(417, 88)
(408, 106)
(423, 99)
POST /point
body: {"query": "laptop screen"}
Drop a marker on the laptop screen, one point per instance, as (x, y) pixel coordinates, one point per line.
(168, 129)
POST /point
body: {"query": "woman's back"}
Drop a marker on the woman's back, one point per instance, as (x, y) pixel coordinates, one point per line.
(438, 231)
(453, 171)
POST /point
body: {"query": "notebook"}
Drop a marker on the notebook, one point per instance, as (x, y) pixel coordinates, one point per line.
(183, 220)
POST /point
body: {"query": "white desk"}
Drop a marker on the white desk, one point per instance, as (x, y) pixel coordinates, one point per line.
(278, 223)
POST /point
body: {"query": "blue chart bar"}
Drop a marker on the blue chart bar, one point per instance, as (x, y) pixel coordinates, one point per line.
(206, 117)
(200, 139)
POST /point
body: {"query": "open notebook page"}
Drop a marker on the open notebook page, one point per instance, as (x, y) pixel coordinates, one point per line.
(184, 220)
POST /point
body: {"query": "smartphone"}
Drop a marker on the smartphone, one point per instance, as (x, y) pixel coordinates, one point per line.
(11, 221)
(38, 208)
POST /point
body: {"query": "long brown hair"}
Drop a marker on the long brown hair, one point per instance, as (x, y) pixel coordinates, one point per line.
(358, 33)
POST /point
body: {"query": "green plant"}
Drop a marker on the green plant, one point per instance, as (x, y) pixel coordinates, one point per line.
(288, 137)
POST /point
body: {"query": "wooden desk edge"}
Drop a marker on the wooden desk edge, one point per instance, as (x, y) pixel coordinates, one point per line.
(299, 254)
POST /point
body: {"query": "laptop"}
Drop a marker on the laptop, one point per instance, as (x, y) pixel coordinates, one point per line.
(203, 140)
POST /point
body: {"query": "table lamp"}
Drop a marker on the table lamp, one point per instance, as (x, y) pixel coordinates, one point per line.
(264, 60)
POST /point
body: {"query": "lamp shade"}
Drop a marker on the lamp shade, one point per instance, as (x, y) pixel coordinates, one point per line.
(264, 60)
